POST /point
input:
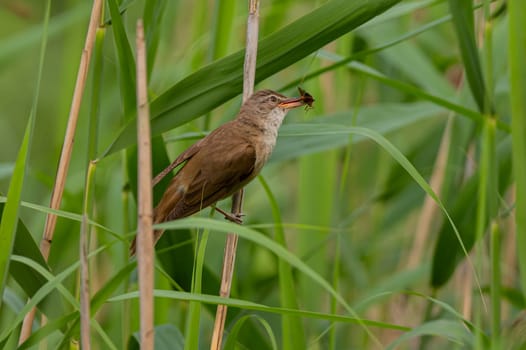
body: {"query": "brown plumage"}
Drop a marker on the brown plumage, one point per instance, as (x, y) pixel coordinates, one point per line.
(226, 160)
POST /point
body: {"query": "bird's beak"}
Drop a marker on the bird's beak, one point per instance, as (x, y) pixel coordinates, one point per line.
(292, 102)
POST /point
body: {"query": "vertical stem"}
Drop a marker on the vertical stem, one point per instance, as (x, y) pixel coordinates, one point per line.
(336, 286)
(84, 267)
(67, 147)
(495, 281)
(516, 54)
(249, 67)
(71, 127)
(229, 258)
(85, 336)
(495, 286)
(144, 199)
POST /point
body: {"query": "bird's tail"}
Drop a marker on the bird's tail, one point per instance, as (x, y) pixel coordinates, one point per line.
(156, 234)
(133, 246)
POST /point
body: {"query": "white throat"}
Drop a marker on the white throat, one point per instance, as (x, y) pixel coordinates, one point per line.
(271, 126)
(275, 118)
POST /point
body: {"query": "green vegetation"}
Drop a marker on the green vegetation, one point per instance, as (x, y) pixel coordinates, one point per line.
(391, 215)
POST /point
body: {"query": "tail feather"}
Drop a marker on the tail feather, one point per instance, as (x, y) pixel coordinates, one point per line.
(164, 211)
(156, 234)
(133, 246)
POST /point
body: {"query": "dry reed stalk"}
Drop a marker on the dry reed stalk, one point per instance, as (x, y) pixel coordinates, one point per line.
(430, 209)
(229, 258)
(67, 148)
(424, 227)
(144, 198)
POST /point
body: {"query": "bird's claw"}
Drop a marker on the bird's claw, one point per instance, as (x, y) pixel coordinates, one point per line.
(236, 218)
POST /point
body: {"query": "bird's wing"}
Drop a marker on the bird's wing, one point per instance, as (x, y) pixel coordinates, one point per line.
(179, 160)
(216, 173)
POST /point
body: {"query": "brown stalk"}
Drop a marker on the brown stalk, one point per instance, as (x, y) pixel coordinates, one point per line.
(144, 198)
(430, 210)
(229, 258)
(67, 148)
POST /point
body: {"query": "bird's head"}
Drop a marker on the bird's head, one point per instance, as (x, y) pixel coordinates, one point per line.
(266, 109)
(265, 101)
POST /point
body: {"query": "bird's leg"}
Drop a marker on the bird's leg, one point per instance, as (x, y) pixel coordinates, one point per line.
(237, 218)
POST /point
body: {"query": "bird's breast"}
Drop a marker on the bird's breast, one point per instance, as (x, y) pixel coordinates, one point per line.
(264, 148)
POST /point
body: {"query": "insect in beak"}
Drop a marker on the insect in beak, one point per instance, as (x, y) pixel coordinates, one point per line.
(307, 98)
(304, 99)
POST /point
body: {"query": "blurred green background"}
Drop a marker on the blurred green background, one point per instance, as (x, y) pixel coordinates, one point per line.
(409, 94)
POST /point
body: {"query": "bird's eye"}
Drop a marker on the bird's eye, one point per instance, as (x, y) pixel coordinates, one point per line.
(273, 99)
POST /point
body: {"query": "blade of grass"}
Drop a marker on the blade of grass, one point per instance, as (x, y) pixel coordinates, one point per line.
(516, 54)
(63, 214)
(408, 88)
(53, 282)
(193, 330)
(107, 343)
(370, 51)
(296, 140)
(153, 16)
(98, 300)
(488, 58)
(96, 93)
(486, 194)
(411, 170)
(477, 117)
(235, 332)
(293, 334)
(84, 293)
(453, 331)
(27, 278)
(495, 284)
(223, 27)
(248, 305)
(9, 219)
(276, 248)
(489, 157)
(418, 67)
(463, 211)
(167, 337)
(220, 81)
(200, 13)
(43, 332)
(463, 22)
(125, 58)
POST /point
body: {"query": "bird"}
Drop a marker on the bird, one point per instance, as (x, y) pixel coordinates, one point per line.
(227, 159)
